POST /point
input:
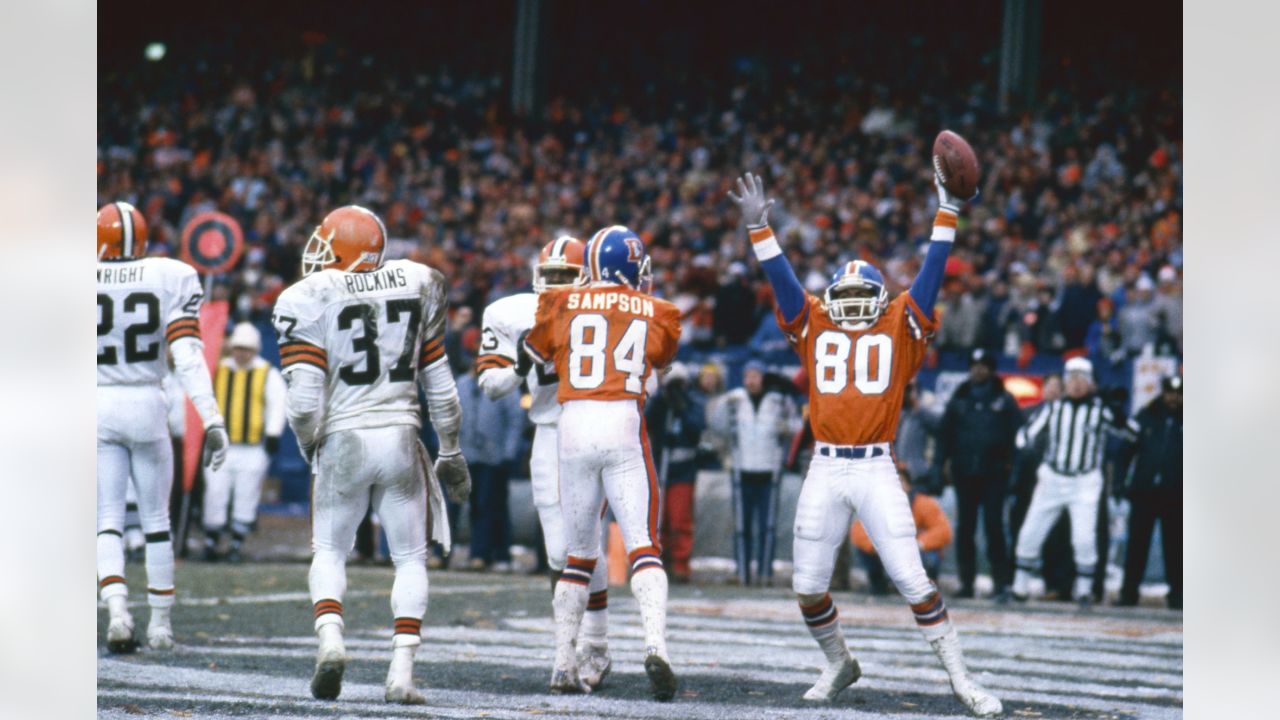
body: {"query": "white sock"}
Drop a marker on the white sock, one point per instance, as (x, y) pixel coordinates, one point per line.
(160, 616)
(570, 603)
(595, 626)
(117, 606)
(330, 634)
(403, 648)
(649, 587)
(948, 650)
(823, 621)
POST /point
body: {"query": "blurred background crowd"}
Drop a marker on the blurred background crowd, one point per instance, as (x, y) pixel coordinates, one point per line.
(1074, 246)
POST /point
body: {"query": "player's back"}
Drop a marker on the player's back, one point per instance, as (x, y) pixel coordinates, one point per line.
(369, 333)
(604, 340)
(143, 305)
(504, 321)
(857, 378)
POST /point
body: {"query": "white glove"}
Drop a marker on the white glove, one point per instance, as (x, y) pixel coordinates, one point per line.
(215, 446)
(947, 201)
(751, 198)
(452, 471)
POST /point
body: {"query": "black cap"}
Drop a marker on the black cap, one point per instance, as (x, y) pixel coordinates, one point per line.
(1172, 383)
(982, 357)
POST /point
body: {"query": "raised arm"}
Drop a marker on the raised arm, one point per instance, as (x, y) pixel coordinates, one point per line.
(755, 212)
(924, 290)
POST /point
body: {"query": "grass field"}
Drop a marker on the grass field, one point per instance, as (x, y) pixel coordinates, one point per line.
(245, 649)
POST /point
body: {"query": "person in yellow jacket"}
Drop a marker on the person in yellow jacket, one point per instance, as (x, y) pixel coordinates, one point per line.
(933, 533)
(250, 393)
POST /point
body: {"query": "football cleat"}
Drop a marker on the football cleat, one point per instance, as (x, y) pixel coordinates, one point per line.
(856, 295)
(834, 679)
(160, 636)
(567, 682)
(331, 663)
(403, 694)
(617, 255)
(975, 697)
(662, 680)
(120, 638)
(351, 239)
(560, 264)
(122, 232)
(594, 663)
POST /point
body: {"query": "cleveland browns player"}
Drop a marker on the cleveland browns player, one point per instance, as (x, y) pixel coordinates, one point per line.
(357, 336)
(605, 341)
(861, 351)
(503, 368)
(144, 304)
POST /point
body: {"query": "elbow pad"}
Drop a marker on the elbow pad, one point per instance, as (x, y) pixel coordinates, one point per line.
(442, 401)
(303, 399)
(193, 373)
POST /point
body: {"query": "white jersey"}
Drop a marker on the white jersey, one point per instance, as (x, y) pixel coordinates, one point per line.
(505, 320)
(143, 305)
(369, 333)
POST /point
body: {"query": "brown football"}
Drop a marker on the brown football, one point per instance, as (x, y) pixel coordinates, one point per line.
(955, 162)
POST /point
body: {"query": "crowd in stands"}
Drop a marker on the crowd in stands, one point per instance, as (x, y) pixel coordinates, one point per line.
(1074, 242)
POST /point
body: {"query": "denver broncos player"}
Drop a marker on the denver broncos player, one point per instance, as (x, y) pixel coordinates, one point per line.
(144, 303)
(357, 336)
(861, 351)
(503, 368)
(605, 340)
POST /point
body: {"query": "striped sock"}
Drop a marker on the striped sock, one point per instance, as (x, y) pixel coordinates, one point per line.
(644, 558)
(408, 627)
(578, 570)
(931, 616)
(595, 624)
(823, 621)
(328, 611)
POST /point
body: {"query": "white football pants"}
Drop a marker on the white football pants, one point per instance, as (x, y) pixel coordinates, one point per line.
(604, 454)
(133, 440)
(1079, 495)
(544, 472)
(834, 490)
(353, 469)
(238, 481)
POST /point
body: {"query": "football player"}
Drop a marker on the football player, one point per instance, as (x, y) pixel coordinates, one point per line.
(503, 368)
(144, 303)
(861, 351)
(355, 335)
(605, 341)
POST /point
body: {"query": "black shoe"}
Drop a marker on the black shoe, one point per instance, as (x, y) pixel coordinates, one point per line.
(966, 593)
(1003, 596)
(1174, 601)
(211, 554)
(233, 556)
(1085, 603)
(1125, 601)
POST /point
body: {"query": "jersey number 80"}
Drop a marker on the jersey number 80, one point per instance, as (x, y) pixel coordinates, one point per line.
(831, 360)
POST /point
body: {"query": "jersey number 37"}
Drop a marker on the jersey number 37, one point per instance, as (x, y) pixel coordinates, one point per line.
(831, 351)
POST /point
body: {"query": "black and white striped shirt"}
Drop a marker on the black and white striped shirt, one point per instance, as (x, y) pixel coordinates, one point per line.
(1075, 430)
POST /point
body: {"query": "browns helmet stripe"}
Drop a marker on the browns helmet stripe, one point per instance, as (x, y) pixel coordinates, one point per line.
(126, 228)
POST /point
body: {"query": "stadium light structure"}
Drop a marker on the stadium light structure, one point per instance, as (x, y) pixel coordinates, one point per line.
(155, 51)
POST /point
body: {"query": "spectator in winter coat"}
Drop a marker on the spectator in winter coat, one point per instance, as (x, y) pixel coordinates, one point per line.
(933, 534)
(976, 448)
(1154, 491)
(759, 422)
(676, 417)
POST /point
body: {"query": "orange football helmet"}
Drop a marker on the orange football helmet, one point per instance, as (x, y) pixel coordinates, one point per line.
(122, 232)
(560, 264)
(351, 239)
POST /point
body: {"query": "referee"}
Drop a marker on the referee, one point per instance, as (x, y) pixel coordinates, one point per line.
(1070, 476)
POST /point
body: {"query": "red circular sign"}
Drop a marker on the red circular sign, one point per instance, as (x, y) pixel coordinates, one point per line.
(212, 242)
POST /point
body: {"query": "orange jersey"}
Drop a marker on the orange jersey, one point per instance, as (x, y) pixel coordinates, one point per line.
(604, 341)
(857, 378)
